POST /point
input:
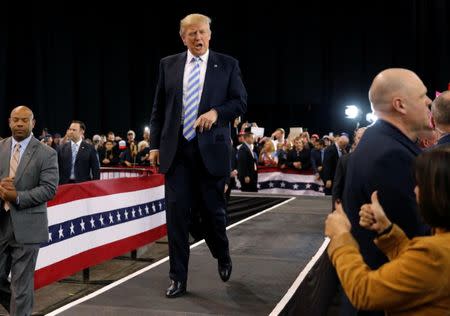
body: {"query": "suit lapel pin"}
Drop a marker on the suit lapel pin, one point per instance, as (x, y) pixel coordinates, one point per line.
(215, 65)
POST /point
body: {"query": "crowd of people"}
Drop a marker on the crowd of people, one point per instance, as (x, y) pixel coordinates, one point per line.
(390, 228)
(341, 166)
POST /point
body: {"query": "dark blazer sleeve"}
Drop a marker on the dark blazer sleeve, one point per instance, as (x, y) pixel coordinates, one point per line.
(339, 179)
(329, 163)
(233, 158)
(46, 187)
(244, 160)
(64, 161)
(95, 164)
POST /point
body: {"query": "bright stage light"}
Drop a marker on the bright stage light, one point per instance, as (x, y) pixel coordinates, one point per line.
(371, 118)
(351, 111)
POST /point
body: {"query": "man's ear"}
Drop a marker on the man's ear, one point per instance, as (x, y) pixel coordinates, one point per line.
(399, 105)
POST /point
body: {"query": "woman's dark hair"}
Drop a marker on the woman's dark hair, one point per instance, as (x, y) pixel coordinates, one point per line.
(432, 170)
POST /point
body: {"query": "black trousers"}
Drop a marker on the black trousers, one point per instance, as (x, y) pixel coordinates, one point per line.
(195, 200)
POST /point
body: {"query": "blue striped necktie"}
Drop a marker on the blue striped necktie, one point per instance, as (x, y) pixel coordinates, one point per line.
(192, 99)
(74, 158)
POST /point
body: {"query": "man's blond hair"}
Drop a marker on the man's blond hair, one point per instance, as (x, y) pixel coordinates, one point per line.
(194, 18)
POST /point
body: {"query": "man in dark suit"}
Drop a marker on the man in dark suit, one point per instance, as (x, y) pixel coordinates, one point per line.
(299, 157)
(341, 169)
(29, 178)
(331, 156)
(199, 93)
(246, 163)
(441, 117)
(317, 155)
(384, 157)
(78, 160)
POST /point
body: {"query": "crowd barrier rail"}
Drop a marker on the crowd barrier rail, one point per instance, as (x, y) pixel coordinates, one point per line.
(125, 172)
(96, 221)
(288, 181)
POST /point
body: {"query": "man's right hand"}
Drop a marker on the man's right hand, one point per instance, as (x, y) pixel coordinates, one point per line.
(154, 158)
(247, 179)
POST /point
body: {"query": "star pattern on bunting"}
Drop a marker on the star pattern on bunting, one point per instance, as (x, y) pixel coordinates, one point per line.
(283, 184)
(77, 226)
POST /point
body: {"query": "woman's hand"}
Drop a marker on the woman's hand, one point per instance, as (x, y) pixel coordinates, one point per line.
(372, 216)
(337, 223)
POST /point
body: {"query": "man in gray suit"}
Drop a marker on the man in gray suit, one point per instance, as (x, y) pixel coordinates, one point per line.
(28, 179)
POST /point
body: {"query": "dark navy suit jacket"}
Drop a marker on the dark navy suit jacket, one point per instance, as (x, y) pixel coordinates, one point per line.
(330, 160)
(445, 140)
(223, 90)
(383, 161)
(87, 166)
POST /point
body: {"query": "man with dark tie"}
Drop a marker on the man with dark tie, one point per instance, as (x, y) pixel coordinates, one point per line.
(29, 177)
(199, 92)
(78, 160)
(246, 163)
(330, 159)
(317, 155)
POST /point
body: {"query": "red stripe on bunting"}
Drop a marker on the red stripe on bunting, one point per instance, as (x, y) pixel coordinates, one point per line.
(72, 192)
(69, 266)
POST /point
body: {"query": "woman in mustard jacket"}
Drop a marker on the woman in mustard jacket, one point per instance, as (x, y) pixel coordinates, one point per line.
(416, 280)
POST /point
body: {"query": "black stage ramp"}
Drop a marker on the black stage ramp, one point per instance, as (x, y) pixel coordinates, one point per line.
(269, 252)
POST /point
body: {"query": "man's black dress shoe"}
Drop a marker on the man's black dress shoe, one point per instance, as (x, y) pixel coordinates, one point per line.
(225, 270)
(176, 289)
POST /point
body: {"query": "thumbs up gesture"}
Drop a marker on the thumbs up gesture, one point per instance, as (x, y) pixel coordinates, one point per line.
(337, 222)
(372, 216)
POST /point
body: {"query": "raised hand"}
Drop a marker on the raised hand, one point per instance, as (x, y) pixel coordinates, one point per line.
(337, 222)
(372, 216)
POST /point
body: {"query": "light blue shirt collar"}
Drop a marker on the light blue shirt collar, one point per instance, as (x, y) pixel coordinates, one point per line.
(23, 145)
